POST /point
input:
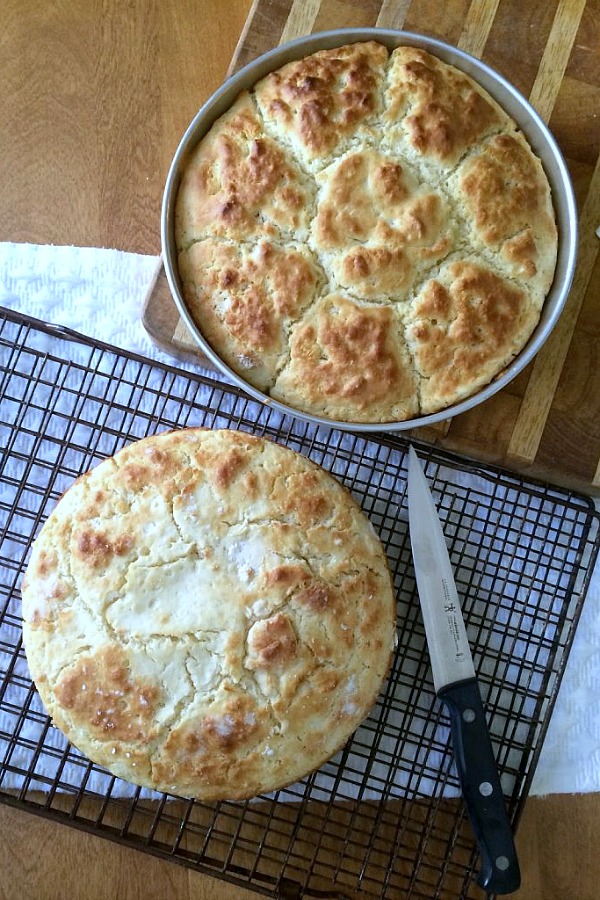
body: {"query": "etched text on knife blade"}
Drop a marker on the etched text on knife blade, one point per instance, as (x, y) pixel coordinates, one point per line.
(450, 608)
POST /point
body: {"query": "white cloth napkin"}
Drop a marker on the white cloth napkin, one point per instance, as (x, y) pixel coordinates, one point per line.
(100, 292)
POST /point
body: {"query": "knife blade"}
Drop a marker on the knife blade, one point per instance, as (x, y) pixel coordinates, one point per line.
(456, 686)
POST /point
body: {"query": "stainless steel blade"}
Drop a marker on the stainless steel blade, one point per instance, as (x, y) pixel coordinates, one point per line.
(449, 650)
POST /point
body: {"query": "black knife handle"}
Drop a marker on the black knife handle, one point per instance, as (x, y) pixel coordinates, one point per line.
(478, 774)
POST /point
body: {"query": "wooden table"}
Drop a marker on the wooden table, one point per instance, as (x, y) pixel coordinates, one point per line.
(94, 99)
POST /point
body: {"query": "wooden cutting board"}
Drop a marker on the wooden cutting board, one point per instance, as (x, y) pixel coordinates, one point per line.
(547, 422)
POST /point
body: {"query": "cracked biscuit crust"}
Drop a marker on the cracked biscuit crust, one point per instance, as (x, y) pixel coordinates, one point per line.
(209, 614)
(318, 104)
(349, 359)
(382, 171)
(462, 328)
(247, 297)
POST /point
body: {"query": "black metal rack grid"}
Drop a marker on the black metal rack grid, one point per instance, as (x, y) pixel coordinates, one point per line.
(383, 818)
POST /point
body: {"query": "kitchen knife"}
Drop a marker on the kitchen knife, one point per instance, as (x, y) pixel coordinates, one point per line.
(456, 685)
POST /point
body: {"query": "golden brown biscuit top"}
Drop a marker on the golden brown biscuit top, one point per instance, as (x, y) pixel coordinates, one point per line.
(391, 168)
(464, 324)
(247, 298)
(442, 111)
(346, 358)
(377, 227)
(208, 613)
(240, 183)
(368, 195)
(504, 192)
(318, 101)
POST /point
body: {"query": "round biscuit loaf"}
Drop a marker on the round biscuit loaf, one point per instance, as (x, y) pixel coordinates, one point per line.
(365, 236)
(208, 613)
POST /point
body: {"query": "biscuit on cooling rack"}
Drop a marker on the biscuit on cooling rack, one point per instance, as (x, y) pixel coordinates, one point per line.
(208, 613)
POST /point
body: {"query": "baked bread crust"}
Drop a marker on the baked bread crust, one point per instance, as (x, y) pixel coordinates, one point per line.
(208, 613)
(240, 184)
(321, 104)
(248, 298)
(436, 111)
(348, 359)
(384, 171)
(463, 327)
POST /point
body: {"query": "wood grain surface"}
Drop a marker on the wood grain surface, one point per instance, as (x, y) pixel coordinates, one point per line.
(94, 99)
(547, 422)
(556, 842)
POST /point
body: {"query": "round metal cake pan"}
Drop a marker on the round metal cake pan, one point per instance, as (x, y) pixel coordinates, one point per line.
(536, 132)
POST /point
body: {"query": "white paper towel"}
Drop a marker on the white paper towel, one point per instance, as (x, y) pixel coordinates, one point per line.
(100, 292)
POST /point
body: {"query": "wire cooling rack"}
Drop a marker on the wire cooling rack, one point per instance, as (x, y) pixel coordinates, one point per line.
(384, 817)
